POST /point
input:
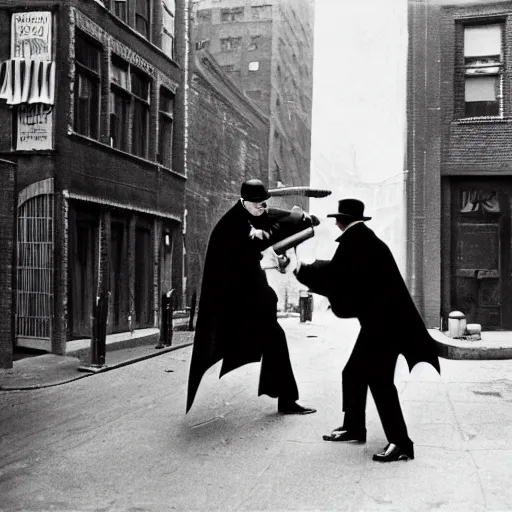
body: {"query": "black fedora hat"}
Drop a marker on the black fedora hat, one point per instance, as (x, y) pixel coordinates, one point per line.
(350, 209)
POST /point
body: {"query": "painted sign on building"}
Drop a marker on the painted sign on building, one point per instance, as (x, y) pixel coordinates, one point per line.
(31, 38)
(35, 126)
(31, 35)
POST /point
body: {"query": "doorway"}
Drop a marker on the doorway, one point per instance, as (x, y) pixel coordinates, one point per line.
(481, 277)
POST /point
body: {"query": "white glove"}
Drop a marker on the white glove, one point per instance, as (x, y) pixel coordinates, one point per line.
(258, 233)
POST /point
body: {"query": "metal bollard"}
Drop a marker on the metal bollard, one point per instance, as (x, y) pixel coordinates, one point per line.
(166, 327)
(99, 331)
(192, 312)
(305, 306)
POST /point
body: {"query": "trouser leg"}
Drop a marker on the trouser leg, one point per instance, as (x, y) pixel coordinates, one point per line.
(354, 390)
(276, 376)
(386, 399)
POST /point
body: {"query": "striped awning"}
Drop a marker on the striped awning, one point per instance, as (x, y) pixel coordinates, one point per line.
(27, 81)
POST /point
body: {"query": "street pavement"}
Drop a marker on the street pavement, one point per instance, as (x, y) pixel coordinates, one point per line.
(119, 441)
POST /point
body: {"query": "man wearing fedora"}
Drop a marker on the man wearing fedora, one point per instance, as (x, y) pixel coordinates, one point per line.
(237, 315)
(363, 281)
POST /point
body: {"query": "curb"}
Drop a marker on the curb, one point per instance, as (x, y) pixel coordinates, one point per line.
(86, 372)
(451, 348)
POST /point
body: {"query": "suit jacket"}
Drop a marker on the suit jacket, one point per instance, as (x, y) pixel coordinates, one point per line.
(237, 307)
(363, 280)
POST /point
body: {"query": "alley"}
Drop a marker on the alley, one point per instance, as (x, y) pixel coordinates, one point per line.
(119, 441)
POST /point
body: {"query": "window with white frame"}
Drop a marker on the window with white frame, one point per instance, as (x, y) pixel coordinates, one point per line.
(168, 13)
(165, 127)
(87, 86)
(483, 69)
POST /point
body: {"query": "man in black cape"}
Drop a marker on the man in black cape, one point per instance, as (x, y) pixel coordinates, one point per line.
(237, 315)
(363, 281)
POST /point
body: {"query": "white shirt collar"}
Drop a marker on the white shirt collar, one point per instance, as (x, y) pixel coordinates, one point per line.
(352, 224)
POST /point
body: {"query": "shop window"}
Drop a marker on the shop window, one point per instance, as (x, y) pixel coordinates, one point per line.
(483, 67)
(165, 127)
(168, 13)
(87, 87)
(142, 12)
(234, 14)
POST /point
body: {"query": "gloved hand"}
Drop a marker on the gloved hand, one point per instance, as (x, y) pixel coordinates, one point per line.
(282, 263)
(259, 233)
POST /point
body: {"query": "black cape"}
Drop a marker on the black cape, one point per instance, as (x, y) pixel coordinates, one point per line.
(237, 307)
(363, 280)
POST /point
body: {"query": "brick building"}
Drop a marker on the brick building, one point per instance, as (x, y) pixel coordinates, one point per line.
(460, 160)
(93, 92)
(267, 49)
(227, 144)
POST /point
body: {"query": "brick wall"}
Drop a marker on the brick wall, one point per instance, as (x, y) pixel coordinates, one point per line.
(473, 146)
(227, 145)
(7, 241)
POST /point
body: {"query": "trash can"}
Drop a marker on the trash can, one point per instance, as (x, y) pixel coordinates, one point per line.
(305, 306)
(456, 324)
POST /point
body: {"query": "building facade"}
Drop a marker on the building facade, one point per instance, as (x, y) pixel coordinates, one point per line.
(227, 144)
(459, 160)
(267, 49)
(92, 112)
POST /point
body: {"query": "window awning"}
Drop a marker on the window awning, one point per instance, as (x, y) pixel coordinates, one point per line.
(27, 81)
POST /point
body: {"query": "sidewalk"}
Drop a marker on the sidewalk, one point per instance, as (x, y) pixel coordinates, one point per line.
(52, 370)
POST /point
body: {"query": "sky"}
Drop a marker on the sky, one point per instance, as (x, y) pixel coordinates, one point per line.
(358, 91)
(359, 113)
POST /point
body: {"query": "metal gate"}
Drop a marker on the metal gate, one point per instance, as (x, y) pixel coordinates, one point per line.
(34, 303)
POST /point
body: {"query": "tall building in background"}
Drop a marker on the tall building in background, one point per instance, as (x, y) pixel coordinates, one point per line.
(267, 50)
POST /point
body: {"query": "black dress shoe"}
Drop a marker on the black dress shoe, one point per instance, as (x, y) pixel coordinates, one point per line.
(392, 453)
(344, 436)
(294, 408)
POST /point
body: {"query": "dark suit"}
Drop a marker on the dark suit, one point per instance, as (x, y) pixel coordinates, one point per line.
(362, 280)
(237, 315)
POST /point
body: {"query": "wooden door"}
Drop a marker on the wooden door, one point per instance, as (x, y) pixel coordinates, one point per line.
(481, 280)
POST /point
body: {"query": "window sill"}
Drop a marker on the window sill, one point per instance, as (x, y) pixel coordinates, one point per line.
(482, 120)
(29, 152)
(119, 152)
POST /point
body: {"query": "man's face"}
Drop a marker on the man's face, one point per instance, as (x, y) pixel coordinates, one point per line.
(256, 209)
(340, 224)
